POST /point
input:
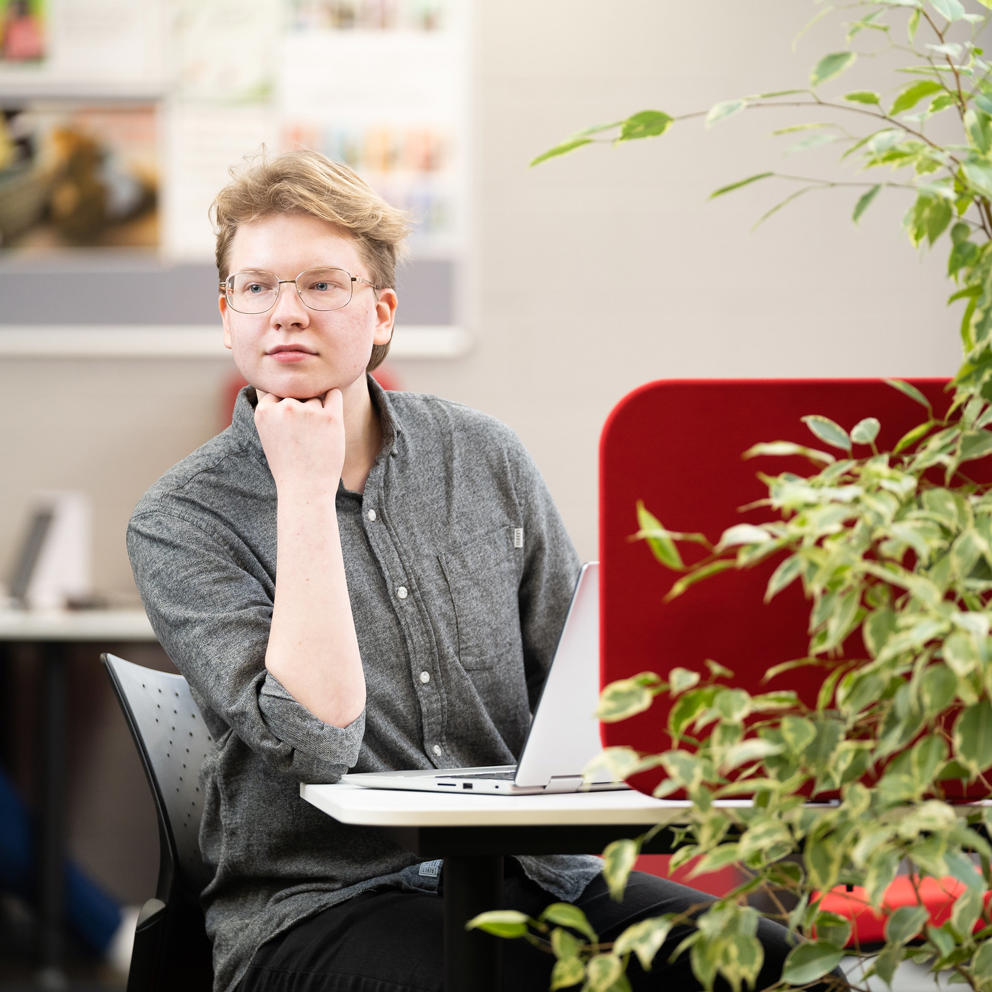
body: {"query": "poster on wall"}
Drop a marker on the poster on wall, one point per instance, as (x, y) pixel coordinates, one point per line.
(107, 48)
(81, 86)
(23, 32)
(78, 175)
(380, 85)
(403, 126)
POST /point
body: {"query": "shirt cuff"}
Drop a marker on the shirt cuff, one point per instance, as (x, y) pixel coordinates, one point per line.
(321, 751)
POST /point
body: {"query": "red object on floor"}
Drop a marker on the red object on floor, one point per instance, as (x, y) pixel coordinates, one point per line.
(937, 895)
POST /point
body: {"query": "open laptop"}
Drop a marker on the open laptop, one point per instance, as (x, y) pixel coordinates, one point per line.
(564, 733)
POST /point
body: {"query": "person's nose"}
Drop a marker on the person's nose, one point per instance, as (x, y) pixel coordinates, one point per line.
(288, 310)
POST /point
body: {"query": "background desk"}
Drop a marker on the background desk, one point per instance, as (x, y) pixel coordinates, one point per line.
(473, 833)
(52, 633)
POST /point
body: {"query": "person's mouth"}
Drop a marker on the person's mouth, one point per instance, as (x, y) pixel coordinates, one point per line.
(290, 352)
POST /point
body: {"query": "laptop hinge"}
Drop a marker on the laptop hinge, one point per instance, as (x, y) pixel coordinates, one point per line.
(564, 783)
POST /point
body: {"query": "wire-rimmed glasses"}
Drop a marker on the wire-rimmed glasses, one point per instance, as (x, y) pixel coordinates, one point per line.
(256, 290)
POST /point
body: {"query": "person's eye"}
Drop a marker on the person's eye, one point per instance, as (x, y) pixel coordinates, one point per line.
(326, 281)
(254, 288)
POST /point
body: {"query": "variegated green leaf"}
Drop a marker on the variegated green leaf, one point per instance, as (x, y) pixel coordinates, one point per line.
(565, 944)
(912, 95)
(973, 737)
(905, 924)
(564, 914)
(563, 149)
(828, 430)
(658, 539)
(644, 939)
(602, 971)
(908, 389)
(810, 961)
(784, 448)
(646, 124)
(951, 9)
(865, 431)
(784, 575)
(622, 699)
(566, 973)
(740, 182)
(727, 108)
(864, 201)
(501, 923)
(743, 534)
(830, 66)
(618, 861)
(863, 96)
(682, 679)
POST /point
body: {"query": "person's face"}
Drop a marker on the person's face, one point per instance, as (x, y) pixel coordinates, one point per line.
(291, 350)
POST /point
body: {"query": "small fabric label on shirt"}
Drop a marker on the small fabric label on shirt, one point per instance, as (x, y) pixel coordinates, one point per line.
(430, 869)
(518, 537)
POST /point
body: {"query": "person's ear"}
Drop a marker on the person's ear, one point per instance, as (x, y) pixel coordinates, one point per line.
(225, 317)
(385, 312)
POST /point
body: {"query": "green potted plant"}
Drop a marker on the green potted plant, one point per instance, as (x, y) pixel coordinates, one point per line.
(893, 550)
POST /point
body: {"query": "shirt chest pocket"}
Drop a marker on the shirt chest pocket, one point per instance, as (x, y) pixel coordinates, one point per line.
(482, 578)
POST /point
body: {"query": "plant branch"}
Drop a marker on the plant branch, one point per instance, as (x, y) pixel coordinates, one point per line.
(864, 111)
(981, 203)
(961, 101)
(985, 212)
(839, 183)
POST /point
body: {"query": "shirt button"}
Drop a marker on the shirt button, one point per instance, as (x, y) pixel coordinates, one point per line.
(401, 592)
(371, 514)
(437, 749)
(425, 677)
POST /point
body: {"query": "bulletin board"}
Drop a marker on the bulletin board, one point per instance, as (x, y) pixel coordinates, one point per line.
(121, 120)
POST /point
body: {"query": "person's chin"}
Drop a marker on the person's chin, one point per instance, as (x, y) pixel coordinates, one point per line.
(292, 387)
(303, 386)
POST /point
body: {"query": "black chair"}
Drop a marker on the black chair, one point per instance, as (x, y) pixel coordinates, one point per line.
(171, 950)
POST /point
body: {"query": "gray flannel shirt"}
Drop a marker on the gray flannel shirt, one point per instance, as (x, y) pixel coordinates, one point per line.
(459, 573)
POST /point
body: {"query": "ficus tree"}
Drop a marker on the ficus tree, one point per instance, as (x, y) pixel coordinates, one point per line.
(893, 551)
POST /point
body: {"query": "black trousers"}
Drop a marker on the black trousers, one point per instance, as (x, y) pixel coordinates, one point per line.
(391, 941)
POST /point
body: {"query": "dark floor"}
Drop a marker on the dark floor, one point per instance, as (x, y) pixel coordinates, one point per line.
(82, 971)
(24, 976)
(67, 983)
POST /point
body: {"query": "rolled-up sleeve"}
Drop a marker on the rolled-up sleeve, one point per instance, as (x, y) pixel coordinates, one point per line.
(331, 750)
(209, 600)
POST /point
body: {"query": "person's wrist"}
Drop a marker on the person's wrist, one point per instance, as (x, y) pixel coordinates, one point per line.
(302, 495)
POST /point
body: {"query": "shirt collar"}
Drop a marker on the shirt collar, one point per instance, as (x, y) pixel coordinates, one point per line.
(391, 428)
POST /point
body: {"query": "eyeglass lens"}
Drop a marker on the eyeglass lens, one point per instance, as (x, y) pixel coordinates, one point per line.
(256, 291)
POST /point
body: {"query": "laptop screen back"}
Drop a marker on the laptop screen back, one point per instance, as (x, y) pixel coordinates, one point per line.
(564, 736)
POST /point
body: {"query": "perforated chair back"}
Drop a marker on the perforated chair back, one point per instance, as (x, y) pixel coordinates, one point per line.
(171, 949)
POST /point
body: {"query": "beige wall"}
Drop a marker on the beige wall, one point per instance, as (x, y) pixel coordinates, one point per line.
(592, 274)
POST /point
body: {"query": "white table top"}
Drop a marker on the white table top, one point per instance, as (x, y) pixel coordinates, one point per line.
(118, 624)
(408, 808)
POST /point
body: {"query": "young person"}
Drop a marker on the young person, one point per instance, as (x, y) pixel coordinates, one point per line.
(339, 576)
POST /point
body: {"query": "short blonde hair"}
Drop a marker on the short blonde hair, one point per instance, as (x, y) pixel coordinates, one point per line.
(307, 182)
